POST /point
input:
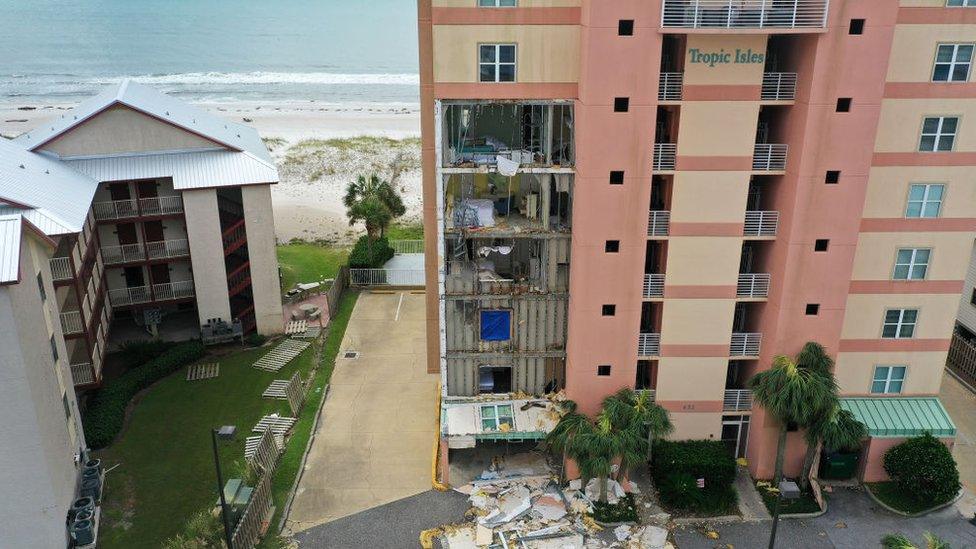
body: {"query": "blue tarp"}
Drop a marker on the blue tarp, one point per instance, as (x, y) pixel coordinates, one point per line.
(496, 325)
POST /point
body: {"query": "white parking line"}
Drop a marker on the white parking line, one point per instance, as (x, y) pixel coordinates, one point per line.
(397, 318)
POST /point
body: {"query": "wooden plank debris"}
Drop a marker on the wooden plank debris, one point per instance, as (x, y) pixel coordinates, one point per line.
(296, 327)
(278, 425)
(281, 355)
(202, 371)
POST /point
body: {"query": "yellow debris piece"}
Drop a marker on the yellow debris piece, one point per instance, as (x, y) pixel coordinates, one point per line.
(711, 534)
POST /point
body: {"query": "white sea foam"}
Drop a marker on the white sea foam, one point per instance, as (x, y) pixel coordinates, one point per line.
(264, 78)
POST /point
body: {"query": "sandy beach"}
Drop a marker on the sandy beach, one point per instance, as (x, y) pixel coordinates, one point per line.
(319, 148)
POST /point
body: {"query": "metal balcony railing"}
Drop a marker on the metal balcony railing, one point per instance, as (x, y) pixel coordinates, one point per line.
(778, 86)
(82, 373)
(658, 222)
(769, 157)
(164, 249)
(753, 285)
(761, 223)
(115, 209)
(745, 344)
(653, 285)
(387, 277)
(71, 323)
(664, 155)
(61, 268)
(744, 14)
(669, 88)
(162, 205)
(407, 246)
(114, 255)
(129, 296)
(737, 400)
(173, 290)
(649, 344)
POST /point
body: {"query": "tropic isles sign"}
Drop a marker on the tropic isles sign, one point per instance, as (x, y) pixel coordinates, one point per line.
(722, 57)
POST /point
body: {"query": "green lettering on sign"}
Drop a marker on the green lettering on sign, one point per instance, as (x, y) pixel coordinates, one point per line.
(722, 57)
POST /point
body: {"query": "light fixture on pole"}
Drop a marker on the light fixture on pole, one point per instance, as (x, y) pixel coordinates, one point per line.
(787, 490)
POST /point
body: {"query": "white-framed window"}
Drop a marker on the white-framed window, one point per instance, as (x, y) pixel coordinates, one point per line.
(924, 200)
(496, 62)
(888, 380)
(899, 323)
(497, 3)
(952, 62)
(911, 263)
(938, 133)
(493, 416)
(961, 3)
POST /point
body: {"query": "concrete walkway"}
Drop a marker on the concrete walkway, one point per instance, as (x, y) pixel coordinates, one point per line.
(961, 405)
(376, 434)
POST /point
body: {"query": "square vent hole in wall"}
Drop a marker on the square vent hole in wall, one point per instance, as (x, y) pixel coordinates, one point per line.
(350, 354)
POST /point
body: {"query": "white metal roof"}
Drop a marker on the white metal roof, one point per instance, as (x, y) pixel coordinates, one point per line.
(10, 228)
(189, 170)
(48, 193)
(158, 105)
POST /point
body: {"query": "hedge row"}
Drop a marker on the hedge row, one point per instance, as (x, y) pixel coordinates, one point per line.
(135, 353)
(370, 255)
(106, 411)
(679, 464)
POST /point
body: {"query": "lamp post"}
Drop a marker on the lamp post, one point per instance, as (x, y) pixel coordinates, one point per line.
(220, 490)
(789, 490)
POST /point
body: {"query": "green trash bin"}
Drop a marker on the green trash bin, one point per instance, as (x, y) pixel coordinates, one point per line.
(839, 465)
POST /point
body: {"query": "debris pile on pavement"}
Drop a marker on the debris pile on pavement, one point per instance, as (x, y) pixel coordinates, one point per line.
(532, 512)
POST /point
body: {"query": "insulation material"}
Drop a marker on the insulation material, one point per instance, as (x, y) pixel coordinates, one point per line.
(496, 325)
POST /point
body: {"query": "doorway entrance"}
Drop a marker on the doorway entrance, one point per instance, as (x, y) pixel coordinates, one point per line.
(735, 434)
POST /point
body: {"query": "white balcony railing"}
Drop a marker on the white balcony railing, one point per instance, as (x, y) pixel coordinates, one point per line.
(115, 209)
(653, 285)
(129, 296)
(114, 255)
(658, 222)
(387, 277)
(745, 344)
(737, 400)
(71, 323)
(664, 154)
(407, 246)
(669, 88)
(744, 14)
(173, 290)
(161, 205)
(82, 374)
(769, 157)
(753, 285)
(61, 268)
(649, 344)
(163, 249)
(761, 223)
(779, 86)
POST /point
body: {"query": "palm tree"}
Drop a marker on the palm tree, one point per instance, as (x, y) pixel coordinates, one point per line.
(374, 202)
(637, 410)
(836, 429)
(594, 448)
(792, 394)
(570, 424)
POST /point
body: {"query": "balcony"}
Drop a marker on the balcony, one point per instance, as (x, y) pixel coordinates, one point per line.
(82, 374)
(769, 157)
(737, 400)
(115, 209)
(654, 285)
(745, 344)
(71, 323)
(129, 296)
(649, 344)
(168, 249)
(664, 155)
(761, 223)
(126, 253)
(61, 268)
(778, 86)
(162, 205)
(753, 285)
(135, 295)
(658, 222)
(669, 87)
(173, 290)
(744, 14)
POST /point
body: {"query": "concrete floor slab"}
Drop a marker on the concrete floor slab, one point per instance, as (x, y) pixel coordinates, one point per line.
(375, 438)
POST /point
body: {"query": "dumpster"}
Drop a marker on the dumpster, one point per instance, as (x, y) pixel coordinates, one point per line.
(839, 465)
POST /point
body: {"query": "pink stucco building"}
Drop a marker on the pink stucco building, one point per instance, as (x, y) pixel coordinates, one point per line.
(665, 194)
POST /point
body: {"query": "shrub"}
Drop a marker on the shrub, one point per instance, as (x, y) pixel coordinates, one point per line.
(624, 510)
(370, 255)
(134, 353)
(255, 340)
(106, 410)
(679, 464)
(924, 470)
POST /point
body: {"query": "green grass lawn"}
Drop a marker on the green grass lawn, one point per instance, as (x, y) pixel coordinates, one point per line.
(406, 231)
(166, 470)
(894, 497)
(806, 503)
(308, 262)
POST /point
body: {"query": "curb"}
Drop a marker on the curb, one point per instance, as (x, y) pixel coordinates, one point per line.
(719, 518)
(913, 515)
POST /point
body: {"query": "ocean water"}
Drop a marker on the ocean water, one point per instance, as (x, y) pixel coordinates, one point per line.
(331, 51)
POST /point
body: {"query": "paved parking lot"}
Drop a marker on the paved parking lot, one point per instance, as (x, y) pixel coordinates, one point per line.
(375, 438)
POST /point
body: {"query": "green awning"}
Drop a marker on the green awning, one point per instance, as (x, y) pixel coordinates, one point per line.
(901, 416)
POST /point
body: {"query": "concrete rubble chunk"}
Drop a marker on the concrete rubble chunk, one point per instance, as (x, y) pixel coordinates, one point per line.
(653, 537)
(549, 507)
(622, 532)
(614, 491)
